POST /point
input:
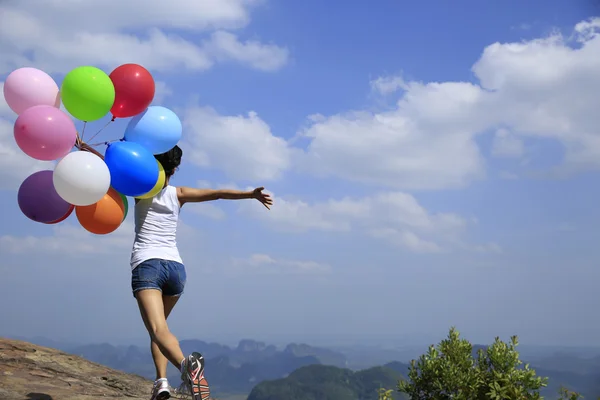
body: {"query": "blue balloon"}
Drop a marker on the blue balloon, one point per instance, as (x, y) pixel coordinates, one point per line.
(133, 169)
(158, 129)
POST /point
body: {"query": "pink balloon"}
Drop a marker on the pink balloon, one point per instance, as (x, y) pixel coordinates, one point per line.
(45, 133)
(28, 87)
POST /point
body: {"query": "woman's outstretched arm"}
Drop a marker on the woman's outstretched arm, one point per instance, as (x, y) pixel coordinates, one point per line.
(192, 195)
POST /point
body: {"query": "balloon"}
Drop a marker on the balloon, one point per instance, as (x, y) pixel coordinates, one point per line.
(38, 199)
(61, 219)
(133, 169)
(81, 178)
(158, 129)
(28, 87)
(126, 204)
(134, 90)
(160, 183)
(104, 216)
(45, 133)
(87, 93)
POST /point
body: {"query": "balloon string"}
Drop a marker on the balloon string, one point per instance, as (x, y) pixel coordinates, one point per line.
(105, 143)
(83, 130)
(101, 129)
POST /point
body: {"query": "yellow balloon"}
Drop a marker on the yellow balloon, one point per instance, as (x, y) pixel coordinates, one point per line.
(159, 184)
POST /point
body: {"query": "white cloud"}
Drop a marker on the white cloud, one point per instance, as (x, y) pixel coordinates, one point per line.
(115, 14)
(226, 46)
(208, 210)
(540, 88)
(425, 143)
(522, 27)
(406, 239)
(586, 30)
(5, 110)
(241, 146)
(65, 34)
(546, 88)
(265, 264)
(71, 241)
(506, 144)
(395, 217)
(388, 84)
(161, 92)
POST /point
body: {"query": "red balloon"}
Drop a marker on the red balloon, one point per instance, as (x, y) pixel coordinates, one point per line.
(61, 219)
(134, 90)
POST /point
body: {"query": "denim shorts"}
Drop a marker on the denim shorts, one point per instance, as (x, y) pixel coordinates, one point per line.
(164, 275)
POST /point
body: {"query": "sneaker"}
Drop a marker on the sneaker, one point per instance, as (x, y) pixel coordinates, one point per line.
(161, 390)
(194, 382)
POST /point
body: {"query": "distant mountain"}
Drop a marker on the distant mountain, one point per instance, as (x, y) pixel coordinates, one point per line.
(130, 359)
(45, 342)
(227, 379)
(325, 356)
(588, 385)
(229, 369)
(573, 370)
(321, 382)
(238, 369)
(360, 356)
(535, 353)
(561, 361)
(399, 367)
(318, 382)
(209, 350)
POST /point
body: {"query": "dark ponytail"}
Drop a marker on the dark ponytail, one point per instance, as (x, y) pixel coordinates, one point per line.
(170, 160)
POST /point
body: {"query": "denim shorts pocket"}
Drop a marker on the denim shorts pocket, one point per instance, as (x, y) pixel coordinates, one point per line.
(148, 271)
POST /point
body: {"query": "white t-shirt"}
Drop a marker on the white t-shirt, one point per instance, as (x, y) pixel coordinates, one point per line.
(156, 228)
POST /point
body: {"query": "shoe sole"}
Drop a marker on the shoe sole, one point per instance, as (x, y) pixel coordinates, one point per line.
(163, 396)
(200, 389)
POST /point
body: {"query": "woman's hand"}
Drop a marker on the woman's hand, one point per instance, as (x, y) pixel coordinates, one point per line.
(81, 145)
(264, 198)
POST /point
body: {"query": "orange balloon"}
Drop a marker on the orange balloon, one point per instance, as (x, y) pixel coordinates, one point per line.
(104, 216)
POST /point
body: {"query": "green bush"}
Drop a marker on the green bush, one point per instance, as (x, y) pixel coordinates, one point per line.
(451, 371)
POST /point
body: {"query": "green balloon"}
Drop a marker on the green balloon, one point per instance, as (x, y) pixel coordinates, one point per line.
(126, 204)
(87, 93)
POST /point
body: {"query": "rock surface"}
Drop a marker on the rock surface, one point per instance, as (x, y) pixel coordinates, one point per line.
(30, 372)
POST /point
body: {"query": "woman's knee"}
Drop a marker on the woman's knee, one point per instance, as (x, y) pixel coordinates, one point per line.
(158, 330)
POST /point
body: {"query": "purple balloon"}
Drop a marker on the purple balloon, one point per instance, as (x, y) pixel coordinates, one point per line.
(38, 199)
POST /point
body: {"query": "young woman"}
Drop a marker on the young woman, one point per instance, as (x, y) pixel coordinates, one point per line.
(158, 274)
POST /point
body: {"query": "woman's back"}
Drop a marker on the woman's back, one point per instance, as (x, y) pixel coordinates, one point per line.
(156, 222)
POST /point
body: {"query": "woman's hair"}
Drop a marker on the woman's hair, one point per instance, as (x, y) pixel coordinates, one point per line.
(170, 160)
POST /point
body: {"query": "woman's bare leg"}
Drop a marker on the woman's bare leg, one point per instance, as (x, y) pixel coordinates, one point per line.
(160, 361)
(150, 302)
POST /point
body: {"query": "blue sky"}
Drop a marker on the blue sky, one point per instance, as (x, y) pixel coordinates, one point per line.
(431, 166)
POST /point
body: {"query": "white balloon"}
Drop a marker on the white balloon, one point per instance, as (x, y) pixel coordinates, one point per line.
(81, 178)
